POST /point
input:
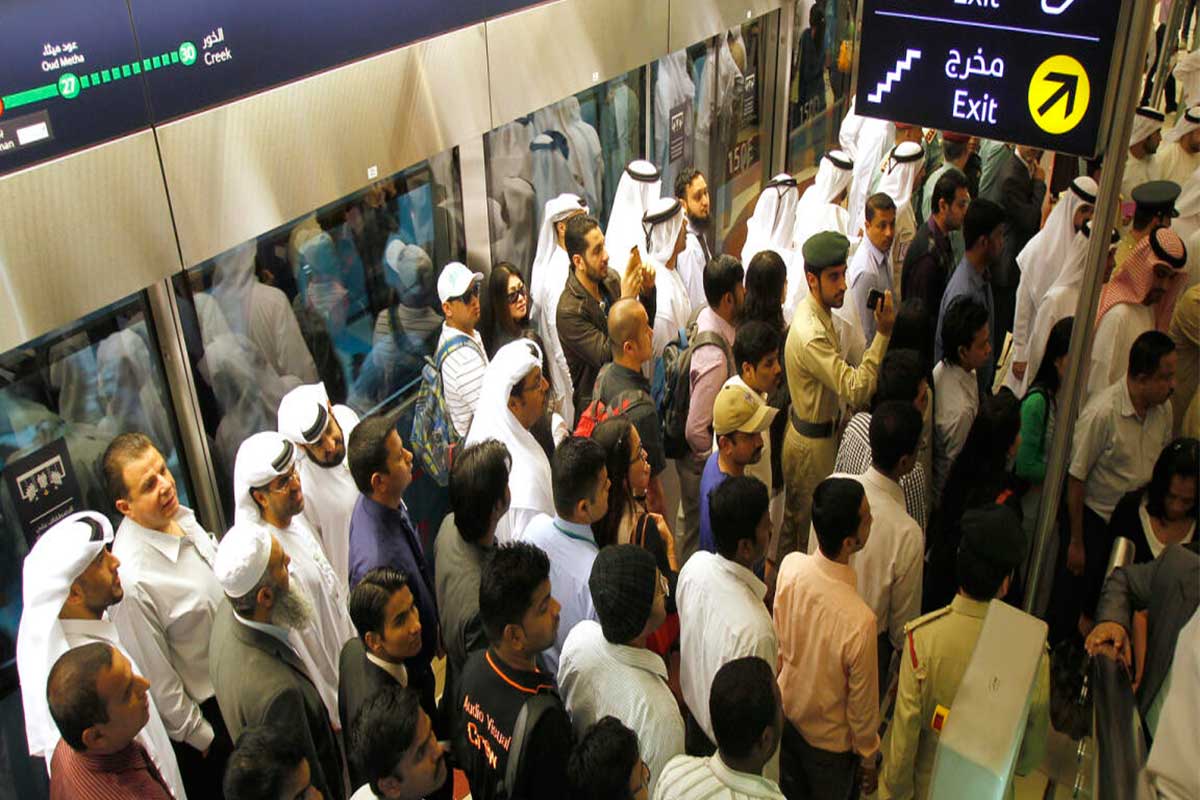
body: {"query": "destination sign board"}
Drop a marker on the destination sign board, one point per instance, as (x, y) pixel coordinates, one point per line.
(1032, 72)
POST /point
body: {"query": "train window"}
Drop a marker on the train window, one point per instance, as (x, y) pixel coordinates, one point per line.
(346, 295)
(709, 113)
(821, 61)
(579, 145)
(63, 398)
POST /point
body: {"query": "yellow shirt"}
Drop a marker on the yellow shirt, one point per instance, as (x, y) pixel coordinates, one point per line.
(935, 657)
(818, 377)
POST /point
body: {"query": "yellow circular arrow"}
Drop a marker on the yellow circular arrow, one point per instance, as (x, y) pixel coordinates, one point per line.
(1059, 94)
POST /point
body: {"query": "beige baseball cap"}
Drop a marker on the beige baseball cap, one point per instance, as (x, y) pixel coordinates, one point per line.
(739, 409)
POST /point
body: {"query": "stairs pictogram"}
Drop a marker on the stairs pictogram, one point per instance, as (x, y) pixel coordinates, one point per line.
(893, 76)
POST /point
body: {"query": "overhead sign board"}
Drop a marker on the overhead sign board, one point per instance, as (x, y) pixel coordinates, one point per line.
(1029, 71)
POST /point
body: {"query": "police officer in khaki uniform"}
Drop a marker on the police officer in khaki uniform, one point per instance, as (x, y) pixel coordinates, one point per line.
(937, 650)
(819, 380)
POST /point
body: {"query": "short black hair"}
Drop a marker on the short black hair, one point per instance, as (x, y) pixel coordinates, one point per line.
(742, 704)
(979, 578)
(511, 574)
(721, 276)
(961, 325)
(895, 432)
(983, 217)
(576, 233)
(835, 507)
(1147, 353)
(262, 764)
(366, 450)
(900, 377)
(754, 341)
(382, 732)
(72, 694)
(120, 451)
(602, 761)
(947, 187)
(880, 201)
(1179, 459)
(684, 179)
(735, 508)
(952, 150)
(1145, 216)
(478, 480)
(369, 599)
(575, 473)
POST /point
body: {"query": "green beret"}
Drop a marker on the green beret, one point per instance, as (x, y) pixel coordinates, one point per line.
(826, 249)
(993, 533)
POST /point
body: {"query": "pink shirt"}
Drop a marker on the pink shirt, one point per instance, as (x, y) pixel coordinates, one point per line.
(709, 373)
(827, 640)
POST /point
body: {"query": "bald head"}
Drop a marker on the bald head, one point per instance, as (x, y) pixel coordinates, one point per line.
(629, 332)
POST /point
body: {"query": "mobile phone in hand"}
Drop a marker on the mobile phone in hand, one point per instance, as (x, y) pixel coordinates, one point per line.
(874, 298)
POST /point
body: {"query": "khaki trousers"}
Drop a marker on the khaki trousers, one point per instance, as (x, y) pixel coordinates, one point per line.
(687, 538)
(806, 462)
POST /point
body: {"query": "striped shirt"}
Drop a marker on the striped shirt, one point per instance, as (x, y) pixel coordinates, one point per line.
(125, 774)
(462, 378)
(691, 778)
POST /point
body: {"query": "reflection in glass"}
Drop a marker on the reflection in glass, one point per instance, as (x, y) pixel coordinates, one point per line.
(707, 115)
(63, 398)
(345, 295)
(822, 54)
(578, 145)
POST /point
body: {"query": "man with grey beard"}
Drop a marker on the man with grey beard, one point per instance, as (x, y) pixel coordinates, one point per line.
(259, 679)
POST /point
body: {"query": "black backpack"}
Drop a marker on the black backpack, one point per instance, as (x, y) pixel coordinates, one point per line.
(677, 394)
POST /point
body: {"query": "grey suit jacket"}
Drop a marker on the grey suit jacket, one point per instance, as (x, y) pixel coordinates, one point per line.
(260, 681)
(1169, 587)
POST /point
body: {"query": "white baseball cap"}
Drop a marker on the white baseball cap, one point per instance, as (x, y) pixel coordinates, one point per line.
(455, 281)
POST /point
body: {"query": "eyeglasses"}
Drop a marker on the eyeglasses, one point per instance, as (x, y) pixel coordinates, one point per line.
(284, 482)
(640, 456)
(516, 294)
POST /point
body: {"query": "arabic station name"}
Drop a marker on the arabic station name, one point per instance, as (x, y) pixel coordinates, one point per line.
(211, 40)
(57, 56)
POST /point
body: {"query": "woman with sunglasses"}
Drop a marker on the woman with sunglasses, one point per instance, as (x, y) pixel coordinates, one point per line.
(505, 313)
(628, 521)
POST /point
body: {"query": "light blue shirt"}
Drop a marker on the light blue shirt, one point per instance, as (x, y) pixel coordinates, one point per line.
(276, 631)
(967, 282)
(571, 548)
(869, 269)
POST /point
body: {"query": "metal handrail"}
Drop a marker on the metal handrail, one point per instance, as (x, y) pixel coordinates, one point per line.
(1116, 723)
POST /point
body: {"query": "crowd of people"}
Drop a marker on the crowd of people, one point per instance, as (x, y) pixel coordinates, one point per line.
(719, 526)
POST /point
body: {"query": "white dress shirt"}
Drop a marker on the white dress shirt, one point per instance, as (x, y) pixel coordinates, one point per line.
(1115, 335)
(571, 548)
(153, 735)
(955, 405)
(171, 598)
(1115, 450)
(722, 617)
(890, 567)
(598, 678)
(1171, 767)
(869, 269)
(691, 263)
(854, 458)
(329, 497)
(320, 644)
(692, 778)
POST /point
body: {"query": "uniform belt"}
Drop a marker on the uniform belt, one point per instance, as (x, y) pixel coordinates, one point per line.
(813, 430)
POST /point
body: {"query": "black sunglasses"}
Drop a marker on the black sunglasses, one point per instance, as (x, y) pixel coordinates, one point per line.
(517, 294)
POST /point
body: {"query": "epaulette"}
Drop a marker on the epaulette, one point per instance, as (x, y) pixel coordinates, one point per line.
(916, 623)
(930, 617)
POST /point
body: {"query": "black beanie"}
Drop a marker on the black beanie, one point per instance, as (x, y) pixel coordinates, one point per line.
(623, 581)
